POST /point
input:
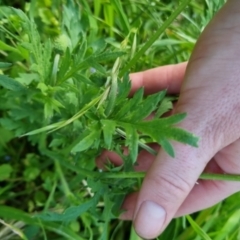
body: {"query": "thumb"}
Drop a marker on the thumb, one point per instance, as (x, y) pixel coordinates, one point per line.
(165, 187)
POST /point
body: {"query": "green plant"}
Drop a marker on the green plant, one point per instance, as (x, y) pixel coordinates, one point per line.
(64, 92)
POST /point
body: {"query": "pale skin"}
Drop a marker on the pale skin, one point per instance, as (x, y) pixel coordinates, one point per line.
(209, 90)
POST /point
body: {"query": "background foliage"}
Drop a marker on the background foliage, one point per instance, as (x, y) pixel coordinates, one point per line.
(60, 82)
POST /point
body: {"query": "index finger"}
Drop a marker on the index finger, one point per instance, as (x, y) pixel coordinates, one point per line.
(168, 77)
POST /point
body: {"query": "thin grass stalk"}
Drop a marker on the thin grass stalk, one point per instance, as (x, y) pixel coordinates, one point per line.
(155, 36)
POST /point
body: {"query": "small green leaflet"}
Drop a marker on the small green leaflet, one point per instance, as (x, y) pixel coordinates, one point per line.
(165, 106)
(167, 146)
(82, 78)
(124, 87)
(108, 127)
(80, 51)
(131, 140)
(65, 63)
(11, 84)
(50, 106)
(87, 142)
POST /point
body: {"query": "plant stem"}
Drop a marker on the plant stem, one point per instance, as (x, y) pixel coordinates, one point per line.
(65, 186)
(51, 195)
(140, 175)
(220, 177)
(204, 176)
(155, 36)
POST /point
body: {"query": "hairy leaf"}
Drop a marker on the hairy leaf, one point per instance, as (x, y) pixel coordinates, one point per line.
(160, 129)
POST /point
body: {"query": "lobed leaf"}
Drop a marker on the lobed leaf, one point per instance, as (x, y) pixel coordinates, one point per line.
(161, 129)
(130, 105)
(146, 107)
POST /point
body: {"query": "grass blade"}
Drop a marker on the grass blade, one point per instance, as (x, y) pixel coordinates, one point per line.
(155, 36)
(229, 227)
(123, 18)
(197, 229)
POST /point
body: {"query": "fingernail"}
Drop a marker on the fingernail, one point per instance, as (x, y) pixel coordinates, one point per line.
(149, 220)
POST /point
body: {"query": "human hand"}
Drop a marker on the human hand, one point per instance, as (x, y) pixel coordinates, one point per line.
(210, 97)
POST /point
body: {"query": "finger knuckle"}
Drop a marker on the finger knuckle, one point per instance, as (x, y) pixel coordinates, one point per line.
(173, 184)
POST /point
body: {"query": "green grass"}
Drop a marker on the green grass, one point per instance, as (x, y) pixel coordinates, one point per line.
(38, 176)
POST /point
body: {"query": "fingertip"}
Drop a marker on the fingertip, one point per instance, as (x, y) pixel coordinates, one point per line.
(149, 220)
(165, 187)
